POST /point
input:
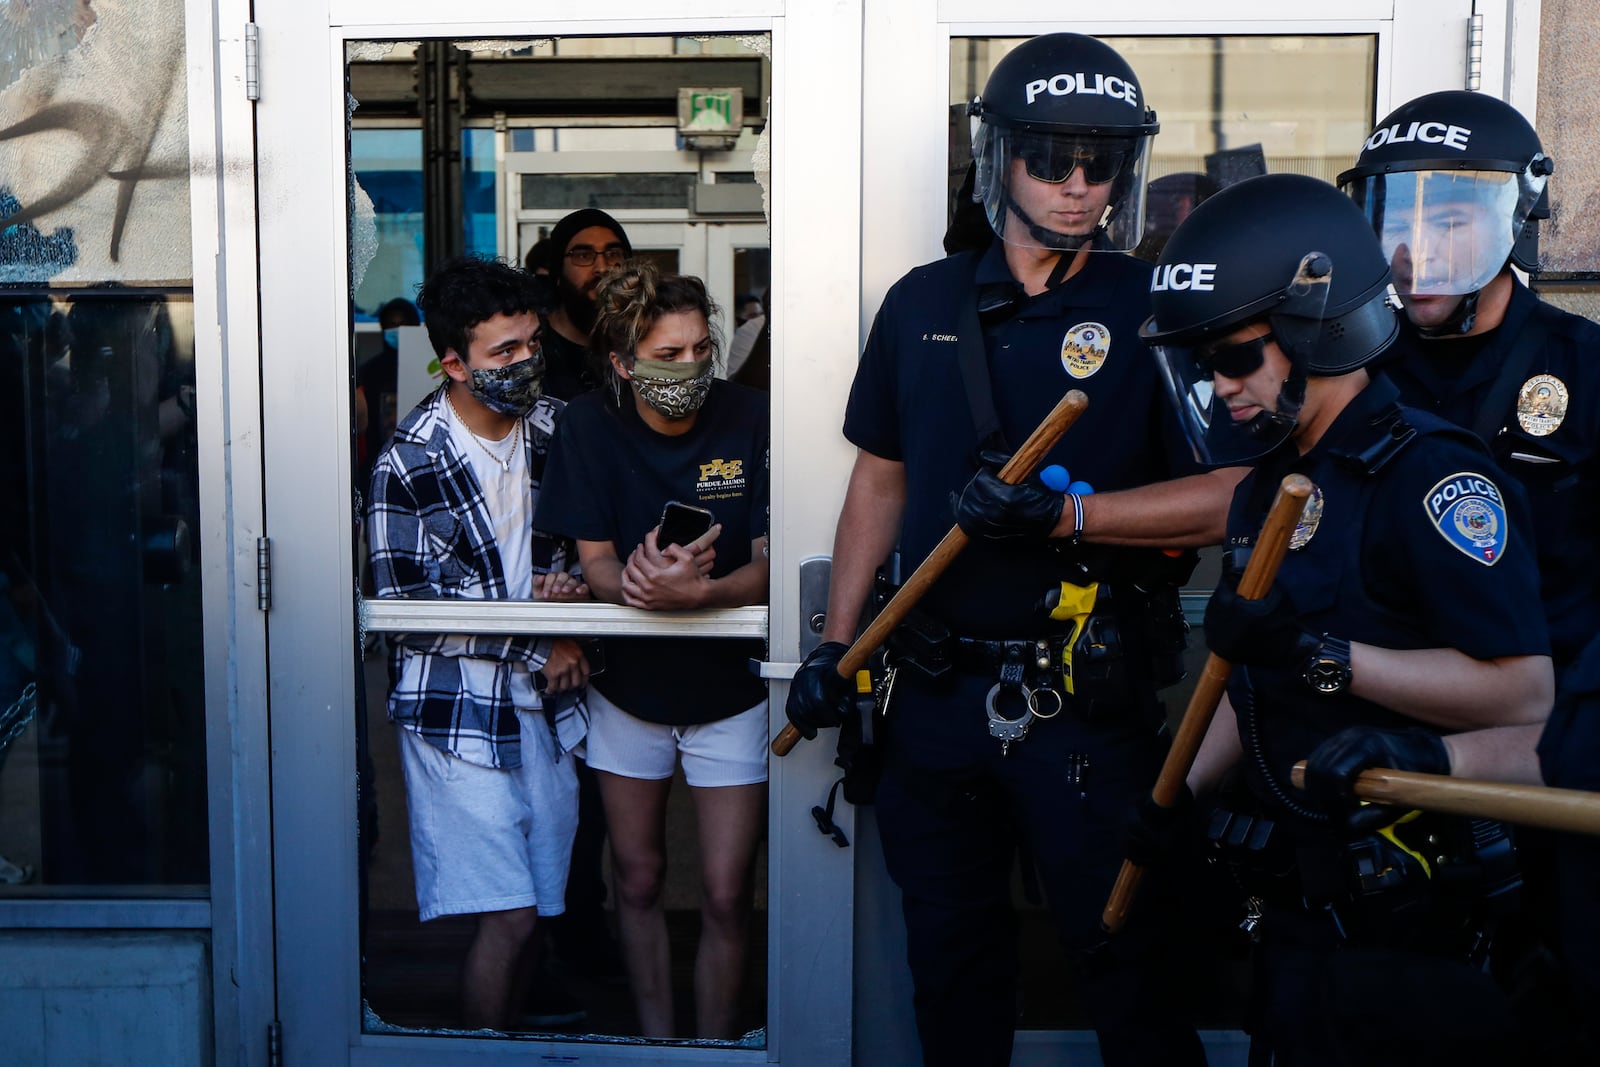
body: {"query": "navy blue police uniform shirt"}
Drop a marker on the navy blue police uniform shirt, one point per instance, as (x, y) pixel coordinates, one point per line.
(909, 404)
(1549, 443)
(1432, 550)
(608, 477)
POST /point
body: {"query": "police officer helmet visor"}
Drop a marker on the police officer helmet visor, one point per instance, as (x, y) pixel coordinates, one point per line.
(1210, 379)
(1446, 232)
(1028, 183)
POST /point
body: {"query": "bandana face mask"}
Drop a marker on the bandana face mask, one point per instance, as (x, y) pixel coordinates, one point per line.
(511, 390)
(676, 390)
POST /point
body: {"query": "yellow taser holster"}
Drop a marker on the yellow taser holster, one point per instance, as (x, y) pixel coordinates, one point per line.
(1076, 605)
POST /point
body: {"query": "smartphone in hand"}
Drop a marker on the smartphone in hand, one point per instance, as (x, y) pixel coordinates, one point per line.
(682, 523)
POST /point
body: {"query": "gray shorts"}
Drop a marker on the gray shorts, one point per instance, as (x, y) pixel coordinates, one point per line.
(490, 840)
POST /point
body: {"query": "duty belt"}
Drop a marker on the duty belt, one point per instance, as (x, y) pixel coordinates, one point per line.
(1023, 692)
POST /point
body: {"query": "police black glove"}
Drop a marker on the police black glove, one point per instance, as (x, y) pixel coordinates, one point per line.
(996, 511)
(818, 697)
(1263, 633)
(1334, 765)
(1155, 833)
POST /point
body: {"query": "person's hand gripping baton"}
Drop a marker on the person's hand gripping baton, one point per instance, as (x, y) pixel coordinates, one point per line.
(1041, 441)
(1258, 576)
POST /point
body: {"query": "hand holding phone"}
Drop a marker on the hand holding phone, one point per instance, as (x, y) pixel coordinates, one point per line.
(682, 523)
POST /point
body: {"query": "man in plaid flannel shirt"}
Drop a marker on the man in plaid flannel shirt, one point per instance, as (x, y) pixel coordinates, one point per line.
(485, 722)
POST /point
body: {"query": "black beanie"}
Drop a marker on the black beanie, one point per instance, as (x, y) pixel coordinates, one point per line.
(580, 220)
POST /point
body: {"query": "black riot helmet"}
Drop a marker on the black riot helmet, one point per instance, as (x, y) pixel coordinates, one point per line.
(1284, 250)
(1453, 183)
(1063, 115)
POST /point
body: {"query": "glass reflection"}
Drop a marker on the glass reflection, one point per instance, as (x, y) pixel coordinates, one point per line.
(103, 768)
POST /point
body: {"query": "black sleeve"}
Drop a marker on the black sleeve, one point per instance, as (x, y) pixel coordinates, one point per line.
(1455, 537)
(574, 498)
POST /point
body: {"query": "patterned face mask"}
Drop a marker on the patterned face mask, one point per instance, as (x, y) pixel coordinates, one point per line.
(676, 390)
(511, 390)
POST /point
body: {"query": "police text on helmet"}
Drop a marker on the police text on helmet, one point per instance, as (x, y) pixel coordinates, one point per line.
(1427, 132)
(1198, 277)
(1087, 85)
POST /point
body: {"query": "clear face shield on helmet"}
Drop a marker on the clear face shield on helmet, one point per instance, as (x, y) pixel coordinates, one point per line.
(1447, 232)
(1057, 191)
(1237, 399)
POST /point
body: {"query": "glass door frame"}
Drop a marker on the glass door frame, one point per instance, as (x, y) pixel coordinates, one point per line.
(300, 130)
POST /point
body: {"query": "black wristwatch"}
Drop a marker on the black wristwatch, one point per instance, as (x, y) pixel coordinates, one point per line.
(1328, 669)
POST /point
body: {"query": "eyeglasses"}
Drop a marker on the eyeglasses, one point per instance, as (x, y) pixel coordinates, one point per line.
(1239, 360)
(1049, 159)
(584, 256)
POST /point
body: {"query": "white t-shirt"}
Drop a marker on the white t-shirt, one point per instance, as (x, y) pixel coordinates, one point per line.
(501, 468)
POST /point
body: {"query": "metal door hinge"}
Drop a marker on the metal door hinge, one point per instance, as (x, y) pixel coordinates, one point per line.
(264, 573)
(252, 61)
(1475, 52)
(275, 1044)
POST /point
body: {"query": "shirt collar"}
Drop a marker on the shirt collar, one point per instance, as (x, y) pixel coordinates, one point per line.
(1093, 286)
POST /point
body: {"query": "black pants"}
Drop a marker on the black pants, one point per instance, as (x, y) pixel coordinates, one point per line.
(953, 813)
(1322, 1004)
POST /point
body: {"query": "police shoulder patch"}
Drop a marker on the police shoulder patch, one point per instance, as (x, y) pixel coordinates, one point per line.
(1469, 512)
(1084, 349)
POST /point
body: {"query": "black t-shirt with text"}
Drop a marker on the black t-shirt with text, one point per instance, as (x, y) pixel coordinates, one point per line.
(609, 475)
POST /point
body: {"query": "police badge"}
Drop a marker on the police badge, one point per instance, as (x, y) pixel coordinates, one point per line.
(1468, 512)
(1541, 405)
(1305, 528)
(1084, 349)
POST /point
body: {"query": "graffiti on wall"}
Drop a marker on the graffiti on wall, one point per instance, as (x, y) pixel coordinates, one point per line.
(93, 142)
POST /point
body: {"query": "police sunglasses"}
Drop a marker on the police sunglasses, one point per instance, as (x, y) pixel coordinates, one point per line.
(1235, 361)
(1053, 161)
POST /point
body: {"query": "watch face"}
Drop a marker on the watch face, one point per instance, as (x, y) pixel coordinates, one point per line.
(1328, 676)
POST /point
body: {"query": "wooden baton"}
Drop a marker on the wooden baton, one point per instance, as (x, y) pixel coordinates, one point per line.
(1041, 441)
(1258, 576)
(1574, 811)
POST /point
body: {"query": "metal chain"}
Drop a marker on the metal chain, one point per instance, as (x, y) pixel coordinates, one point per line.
(16, 718)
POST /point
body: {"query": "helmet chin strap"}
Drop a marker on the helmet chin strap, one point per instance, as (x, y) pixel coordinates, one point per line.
(1277, 425)
(1460, 321)
(1047, 238)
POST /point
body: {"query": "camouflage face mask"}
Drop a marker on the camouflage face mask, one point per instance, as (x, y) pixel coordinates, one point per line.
(676, 390)
(512, 390)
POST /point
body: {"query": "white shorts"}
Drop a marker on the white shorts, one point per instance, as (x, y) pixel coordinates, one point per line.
(490, 840)
(731, 751)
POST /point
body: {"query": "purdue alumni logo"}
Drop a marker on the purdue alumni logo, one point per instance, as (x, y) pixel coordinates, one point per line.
(721, 479)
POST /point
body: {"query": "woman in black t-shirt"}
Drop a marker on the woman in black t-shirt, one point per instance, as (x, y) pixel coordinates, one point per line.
(665, 430)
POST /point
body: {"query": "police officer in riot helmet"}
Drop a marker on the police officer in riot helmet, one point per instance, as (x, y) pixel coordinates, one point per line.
(1454, 184)
(1010, 729)
(1061, 148)
(1364, 921)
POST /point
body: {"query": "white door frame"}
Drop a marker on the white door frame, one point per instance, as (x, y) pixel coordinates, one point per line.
(300, 122)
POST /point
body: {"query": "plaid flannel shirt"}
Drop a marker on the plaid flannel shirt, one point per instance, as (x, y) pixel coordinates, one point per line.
(430, 538)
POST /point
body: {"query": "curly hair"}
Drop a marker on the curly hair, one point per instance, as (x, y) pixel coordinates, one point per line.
(468, 290)
(632, 299)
